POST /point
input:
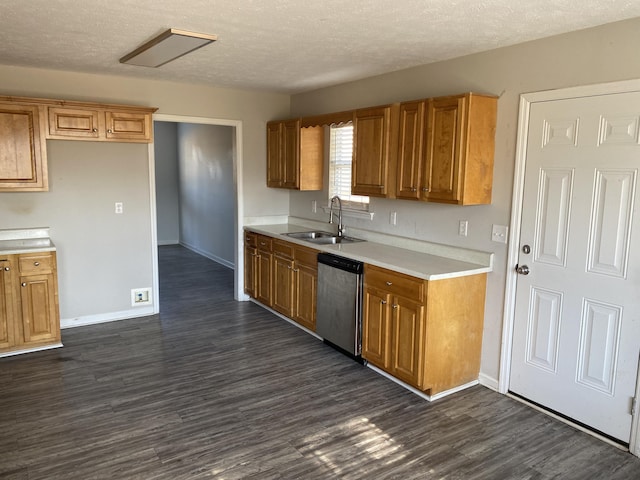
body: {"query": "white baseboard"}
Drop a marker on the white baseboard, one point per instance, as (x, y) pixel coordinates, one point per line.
(106, 317)
(489, 382)
(30, 350)
(210, 256)
(168, 242)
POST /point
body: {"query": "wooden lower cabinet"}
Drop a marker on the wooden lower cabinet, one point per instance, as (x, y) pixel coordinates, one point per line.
(283, 276)
(426, 333)
(29, 312)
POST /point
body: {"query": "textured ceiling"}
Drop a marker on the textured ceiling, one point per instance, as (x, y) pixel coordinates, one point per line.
(284, 46)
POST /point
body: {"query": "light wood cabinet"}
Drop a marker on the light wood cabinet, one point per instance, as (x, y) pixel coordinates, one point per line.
(410, 149)
(305, 286)
(283, 277)
(100, 124)
(23, 155)
(294, 155)
(427, 334)
(29, 312)
(250, 264)
(375, 136)
(460, 145)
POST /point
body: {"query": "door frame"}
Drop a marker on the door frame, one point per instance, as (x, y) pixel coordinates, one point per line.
(238, 279)
(526, 100)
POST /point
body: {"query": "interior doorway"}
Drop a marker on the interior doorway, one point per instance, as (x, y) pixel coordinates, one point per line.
(207, 216)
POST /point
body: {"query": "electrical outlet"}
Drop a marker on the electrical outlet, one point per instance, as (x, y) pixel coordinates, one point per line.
(393, 218)
(463, 227)
(314, 206)
(119, 207)
(499, 233)
(140, 296)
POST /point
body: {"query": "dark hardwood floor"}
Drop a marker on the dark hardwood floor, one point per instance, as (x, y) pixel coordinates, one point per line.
(213, 388)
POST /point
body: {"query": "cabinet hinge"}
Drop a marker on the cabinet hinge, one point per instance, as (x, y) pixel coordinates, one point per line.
(634, 406)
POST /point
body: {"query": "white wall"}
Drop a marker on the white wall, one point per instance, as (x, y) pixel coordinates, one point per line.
(597, 55)
(207, 196)
(101, 255)
(165, 139)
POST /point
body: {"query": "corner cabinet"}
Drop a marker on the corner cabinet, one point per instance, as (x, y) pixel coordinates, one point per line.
(29, 312)
(426, 333)
(23, 155)
(295, 155)
(374, 151)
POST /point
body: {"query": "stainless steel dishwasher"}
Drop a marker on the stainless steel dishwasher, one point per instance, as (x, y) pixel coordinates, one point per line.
(339, 303)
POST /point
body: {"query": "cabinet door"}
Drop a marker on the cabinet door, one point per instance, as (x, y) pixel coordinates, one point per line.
(372, 157)
(305, 292)
(442, 173)
(39, 308)
(7, 304)
(283, 285)
(291, 154)
(128, 126)
(407, 337)
(264, 278)
(23, 153)
(275, 168)
(410, 152)
(250, 269)
(74, 122)
(375, 327)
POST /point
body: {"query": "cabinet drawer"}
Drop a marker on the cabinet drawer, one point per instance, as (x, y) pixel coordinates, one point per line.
(264, 243)
(394, 283)
(283, 249)
(306, 256)
(36, 264)
(73, 122)
(250, 239)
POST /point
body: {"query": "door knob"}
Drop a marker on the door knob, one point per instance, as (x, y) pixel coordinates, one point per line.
(522, 269)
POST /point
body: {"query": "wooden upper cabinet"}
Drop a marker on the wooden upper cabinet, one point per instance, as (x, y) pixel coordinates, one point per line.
(374, 151)
(410, 149)
(23, 155)
(460, 144)
(294, 155)
(100, 124)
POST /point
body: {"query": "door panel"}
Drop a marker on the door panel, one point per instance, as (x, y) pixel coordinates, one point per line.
(576, 329)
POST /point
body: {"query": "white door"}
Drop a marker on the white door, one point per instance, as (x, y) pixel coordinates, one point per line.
(576, 337)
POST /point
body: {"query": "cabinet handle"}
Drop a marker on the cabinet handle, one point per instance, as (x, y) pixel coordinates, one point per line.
(296, 269)
(383, 302)
(425, 189)
(109, 131)
(24, 284)
(6, 269)
(394, 306)
(262, 244)
(94, 130)
(389, 284)
(37, 264)
(414, 189)
(248, 238)
(289, 267)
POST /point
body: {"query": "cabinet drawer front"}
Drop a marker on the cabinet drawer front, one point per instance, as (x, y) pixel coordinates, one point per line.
(250, 239)
(36, 264)
(283, 249)
(306, 256)
(394, 282)
(67, 122)
(264, 243)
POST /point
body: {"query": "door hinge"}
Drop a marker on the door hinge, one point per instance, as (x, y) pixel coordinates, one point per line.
(634, 406)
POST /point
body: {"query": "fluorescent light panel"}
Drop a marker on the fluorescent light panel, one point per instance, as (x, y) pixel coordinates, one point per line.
(167, 46)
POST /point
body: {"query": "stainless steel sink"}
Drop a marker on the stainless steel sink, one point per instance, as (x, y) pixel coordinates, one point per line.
(322, 238)
(334, 239)
(310, 235)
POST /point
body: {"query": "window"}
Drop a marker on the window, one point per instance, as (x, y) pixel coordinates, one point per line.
(340, 156)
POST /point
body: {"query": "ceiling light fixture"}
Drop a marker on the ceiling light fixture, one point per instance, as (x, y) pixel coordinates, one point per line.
(167, 46)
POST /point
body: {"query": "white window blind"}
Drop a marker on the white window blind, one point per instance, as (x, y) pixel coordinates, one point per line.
(340, 157)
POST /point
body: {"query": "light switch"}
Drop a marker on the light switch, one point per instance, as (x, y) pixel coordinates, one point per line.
(499, 233)
(463, 228)
(119, 207)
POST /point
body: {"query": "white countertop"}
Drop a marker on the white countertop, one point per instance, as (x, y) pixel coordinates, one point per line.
(410, 262)
(25, 240)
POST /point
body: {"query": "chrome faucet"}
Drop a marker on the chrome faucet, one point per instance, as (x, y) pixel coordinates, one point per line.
(340, 225)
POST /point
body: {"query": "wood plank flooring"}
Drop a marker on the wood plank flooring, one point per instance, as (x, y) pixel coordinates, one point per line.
(213, 388)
